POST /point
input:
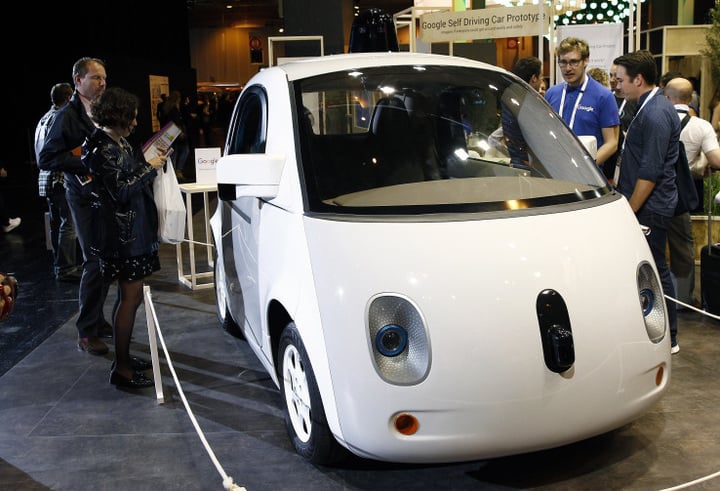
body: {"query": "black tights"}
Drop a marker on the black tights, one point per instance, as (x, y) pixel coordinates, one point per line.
(130, 296)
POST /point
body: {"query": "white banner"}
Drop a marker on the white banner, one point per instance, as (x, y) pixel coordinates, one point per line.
(483, 24)
(206, 160)
(605, 41)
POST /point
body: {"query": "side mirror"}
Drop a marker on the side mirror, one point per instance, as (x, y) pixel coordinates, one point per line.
(256, 175)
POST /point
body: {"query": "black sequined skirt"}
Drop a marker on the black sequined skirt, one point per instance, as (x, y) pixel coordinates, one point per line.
(130, 268)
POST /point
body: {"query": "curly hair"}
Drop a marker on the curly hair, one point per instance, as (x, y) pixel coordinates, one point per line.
(114, 108)
(600, 74)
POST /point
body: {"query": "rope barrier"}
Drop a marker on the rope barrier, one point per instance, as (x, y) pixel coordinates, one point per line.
(714, 474)
(704, 312)
(153, 325)
(692, 483)
(204, 244)
(227, 481)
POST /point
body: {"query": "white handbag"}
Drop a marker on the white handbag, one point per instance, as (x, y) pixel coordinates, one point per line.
(170, 206)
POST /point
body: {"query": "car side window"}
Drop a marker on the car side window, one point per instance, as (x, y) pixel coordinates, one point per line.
(249, 130)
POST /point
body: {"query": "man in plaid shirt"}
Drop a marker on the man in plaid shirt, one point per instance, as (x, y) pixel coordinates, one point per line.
(51, 186)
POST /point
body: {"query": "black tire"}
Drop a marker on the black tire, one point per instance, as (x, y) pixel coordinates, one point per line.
(305, 419)
(221, 301)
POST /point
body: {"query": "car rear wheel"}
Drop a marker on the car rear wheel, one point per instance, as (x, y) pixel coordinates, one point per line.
(221, 300)
(305, 419)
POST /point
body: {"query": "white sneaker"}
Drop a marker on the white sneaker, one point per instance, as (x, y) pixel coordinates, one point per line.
(675, 349)
(12, 224)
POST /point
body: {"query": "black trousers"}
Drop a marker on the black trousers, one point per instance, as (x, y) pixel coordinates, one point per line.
(93, 289)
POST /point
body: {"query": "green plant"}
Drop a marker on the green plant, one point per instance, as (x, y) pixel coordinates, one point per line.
(712, 36)
(713, 182)
(712, 52)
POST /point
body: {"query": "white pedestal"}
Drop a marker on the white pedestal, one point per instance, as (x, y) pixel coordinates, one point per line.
(191, 280)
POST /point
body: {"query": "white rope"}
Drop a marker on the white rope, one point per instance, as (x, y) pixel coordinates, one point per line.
(227, 481)
(206, 244)
(704, 312)
(692, 483)
(714, 474)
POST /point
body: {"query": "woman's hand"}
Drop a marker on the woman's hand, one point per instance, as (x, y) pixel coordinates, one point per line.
(158, 162)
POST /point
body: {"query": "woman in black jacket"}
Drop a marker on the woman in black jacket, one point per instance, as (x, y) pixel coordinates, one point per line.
(126, 232)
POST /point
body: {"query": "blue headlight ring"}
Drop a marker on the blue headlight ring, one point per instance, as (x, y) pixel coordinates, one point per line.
(391, 329)
(647, 293)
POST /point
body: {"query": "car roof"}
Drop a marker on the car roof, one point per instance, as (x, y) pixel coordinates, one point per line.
(308, 67)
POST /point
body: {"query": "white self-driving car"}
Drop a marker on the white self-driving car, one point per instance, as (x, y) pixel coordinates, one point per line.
(429, 264)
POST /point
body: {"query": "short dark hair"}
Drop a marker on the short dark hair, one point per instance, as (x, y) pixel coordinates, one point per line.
(667, 76)
(114, 108)
(60, 93)
(526, 67)
(639, 62)
(80, 67)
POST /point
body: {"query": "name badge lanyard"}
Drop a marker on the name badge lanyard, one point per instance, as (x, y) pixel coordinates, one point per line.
(577, 101)
(622, 106)
(616, 176)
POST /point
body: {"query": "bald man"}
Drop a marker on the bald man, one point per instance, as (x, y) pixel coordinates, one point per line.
(697, 136)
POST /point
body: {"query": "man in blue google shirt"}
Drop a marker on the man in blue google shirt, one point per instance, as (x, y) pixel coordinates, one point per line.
(584, 104)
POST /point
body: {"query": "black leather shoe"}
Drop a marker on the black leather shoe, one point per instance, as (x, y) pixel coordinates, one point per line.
(139, 364)
(105, 331)
(138, 380)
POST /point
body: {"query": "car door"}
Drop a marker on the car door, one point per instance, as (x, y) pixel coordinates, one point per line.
(241, 224)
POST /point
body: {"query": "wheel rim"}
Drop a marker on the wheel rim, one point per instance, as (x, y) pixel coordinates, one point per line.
(297, 396)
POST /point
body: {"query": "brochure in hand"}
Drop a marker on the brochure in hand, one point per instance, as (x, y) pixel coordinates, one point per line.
(163, 139)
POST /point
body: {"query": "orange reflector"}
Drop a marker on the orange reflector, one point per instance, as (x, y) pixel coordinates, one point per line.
(659, 375)
(406, 424)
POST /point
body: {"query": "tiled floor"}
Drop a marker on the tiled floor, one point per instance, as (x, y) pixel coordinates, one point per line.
(64, 427)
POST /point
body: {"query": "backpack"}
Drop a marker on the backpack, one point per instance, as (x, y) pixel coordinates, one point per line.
(687, 194)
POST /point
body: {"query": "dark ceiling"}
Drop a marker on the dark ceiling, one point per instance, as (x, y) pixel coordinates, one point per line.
(262, 13)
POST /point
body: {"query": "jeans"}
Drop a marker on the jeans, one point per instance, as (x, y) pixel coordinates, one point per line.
(657, 240)
(93, 289)
(682, 256)
(62, 232)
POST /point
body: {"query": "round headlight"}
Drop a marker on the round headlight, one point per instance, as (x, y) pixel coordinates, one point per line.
(647, 301)
(391, 340)
(652, 302)
(398, 339)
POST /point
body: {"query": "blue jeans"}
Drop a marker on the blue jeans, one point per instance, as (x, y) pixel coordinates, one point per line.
(657, 240)
(93, 289)
(62, 232)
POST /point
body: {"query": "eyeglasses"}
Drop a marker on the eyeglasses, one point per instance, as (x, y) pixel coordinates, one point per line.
(572, 63)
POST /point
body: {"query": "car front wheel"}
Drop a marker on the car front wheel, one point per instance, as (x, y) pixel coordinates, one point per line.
(305, 419)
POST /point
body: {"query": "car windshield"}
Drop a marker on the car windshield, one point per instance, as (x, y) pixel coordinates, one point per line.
(432, 139)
